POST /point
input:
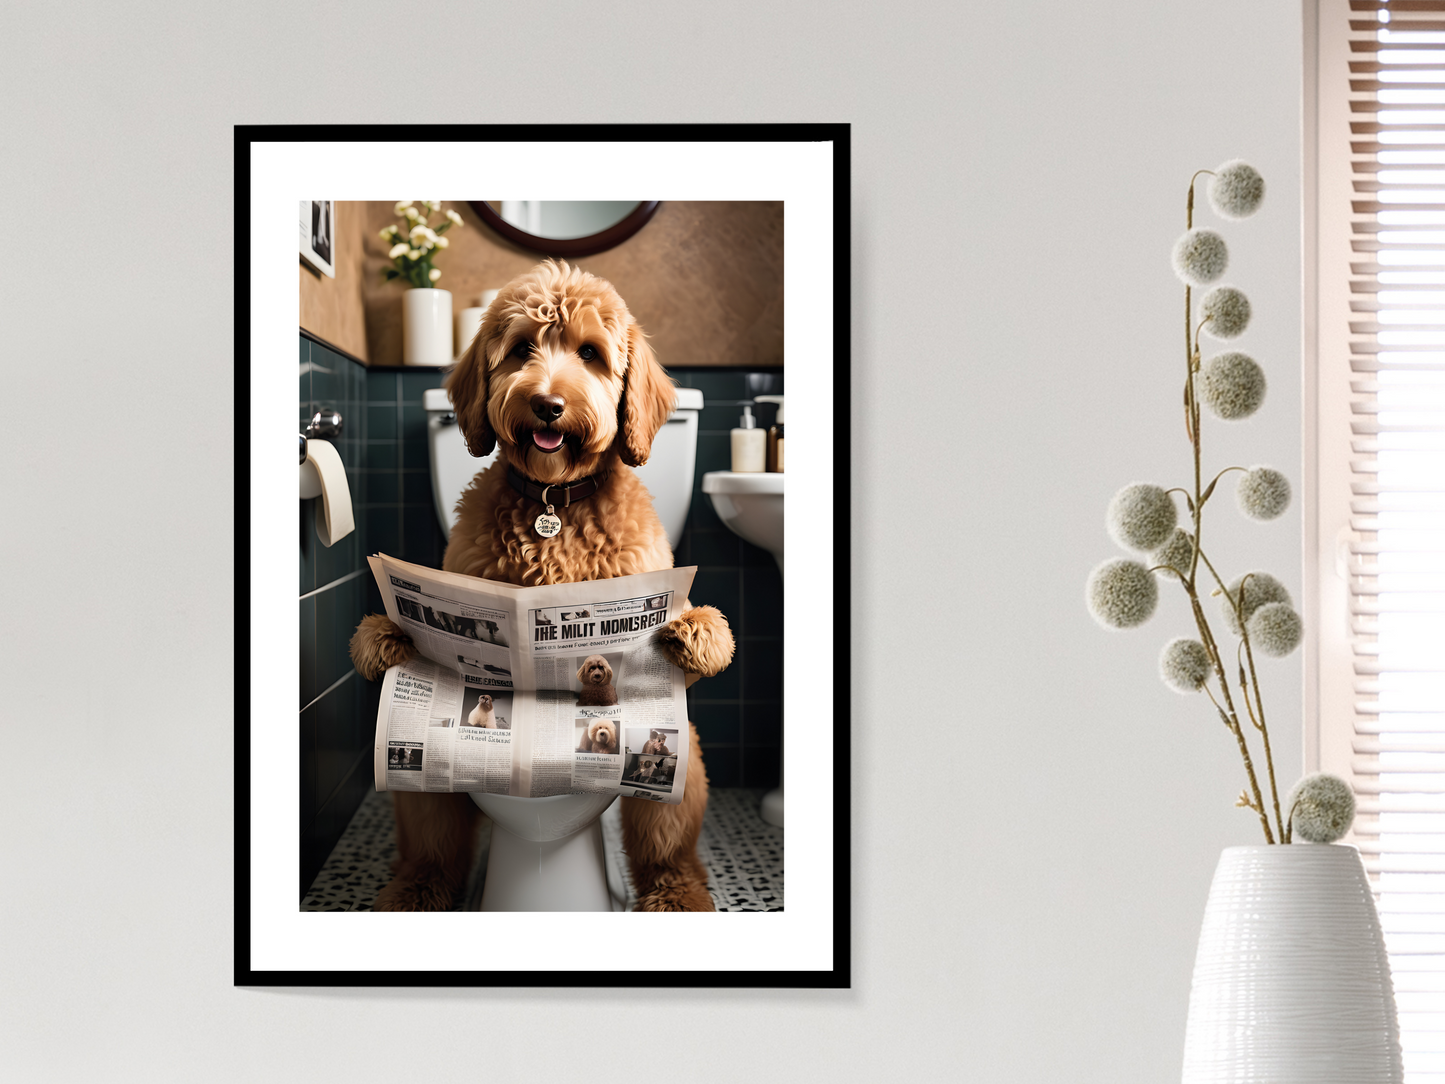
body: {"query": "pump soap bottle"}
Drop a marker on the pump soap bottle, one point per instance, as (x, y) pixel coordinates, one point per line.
(750, 444)
(775, 434)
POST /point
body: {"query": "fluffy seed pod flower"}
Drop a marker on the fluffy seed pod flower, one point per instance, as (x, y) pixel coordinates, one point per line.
(1141, 516)
(1275, 628)
(1121, 594)
(399, 249)
(1175, 553)
(1263, 493)
(1236, 190)
(1232, 385)
(1321, 808)
(433, 274)
(1184, 665)
(1226, 311)
(1200, 257)
(456, 219)
(1260, 590)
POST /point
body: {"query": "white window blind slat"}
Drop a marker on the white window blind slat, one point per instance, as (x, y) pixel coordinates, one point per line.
(1391, 434)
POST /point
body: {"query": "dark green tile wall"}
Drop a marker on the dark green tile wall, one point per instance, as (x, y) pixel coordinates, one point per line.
(337, 707)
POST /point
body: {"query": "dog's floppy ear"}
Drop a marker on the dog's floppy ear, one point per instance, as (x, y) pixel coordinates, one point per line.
(648, 396)
(469, 388)
(581, 670)
(607, 669)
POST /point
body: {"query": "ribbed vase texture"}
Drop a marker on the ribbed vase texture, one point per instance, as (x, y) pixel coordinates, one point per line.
(1291, 984)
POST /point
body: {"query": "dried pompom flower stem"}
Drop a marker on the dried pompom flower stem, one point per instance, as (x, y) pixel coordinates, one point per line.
(1321, 808)
(1226, 312)
(1200, 257)
(1175, 555)
(1121, 594)
(1232, 385)
(1236, 190)
(1260, 589)
(1184, 664)
(1274, 628)
(1263, 493)
(1141, 516)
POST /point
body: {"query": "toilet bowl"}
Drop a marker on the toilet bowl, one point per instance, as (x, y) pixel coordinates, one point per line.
(546, 853)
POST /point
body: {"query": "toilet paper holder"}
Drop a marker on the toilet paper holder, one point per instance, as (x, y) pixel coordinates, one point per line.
(324, 425)
(323, 475)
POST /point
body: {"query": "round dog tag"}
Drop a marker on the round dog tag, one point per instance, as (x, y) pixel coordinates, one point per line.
(547, 525)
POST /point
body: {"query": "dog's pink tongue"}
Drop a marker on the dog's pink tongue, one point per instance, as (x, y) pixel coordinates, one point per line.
(548, 442)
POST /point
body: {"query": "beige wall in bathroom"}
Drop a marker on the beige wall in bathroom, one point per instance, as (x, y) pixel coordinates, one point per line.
(705, 280)
(333, 309)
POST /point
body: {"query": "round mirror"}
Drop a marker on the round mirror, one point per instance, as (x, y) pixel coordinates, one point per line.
(565, 227)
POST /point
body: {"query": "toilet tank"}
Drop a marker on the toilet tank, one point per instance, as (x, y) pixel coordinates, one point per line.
(668, 473)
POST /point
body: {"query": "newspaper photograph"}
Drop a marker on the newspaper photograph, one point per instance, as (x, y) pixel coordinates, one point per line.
(532, 691)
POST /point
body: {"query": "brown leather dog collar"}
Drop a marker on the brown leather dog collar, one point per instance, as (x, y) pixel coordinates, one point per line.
(563, 495)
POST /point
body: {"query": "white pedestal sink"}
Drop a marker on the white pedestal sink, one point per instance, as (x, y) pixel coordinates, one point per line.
(751, 506)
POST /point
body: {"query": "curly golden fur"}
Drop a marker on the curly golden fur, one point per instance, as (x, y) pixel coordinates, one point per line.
(596, 678)
(600, 737)
(561, 378)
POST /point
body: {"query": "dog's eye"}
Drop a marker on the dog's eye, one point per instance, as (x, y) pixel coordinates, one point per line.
(588, 352)
(522, 351)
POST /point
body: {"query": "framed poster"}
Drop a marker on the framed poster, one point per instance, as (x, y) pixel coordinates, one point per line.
(318, 231)
(782, 187)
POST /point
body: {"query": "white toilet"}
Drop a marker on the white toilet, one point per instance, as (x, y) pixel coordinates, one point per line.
(546, 853)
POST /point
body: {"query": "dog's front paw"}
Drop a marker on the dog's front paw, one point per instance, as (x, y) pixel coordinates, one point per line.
(699, 641)
(378, 644)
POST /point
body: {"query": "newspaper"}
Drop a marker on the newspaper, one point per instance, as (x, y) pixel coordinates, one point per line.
(532, 691)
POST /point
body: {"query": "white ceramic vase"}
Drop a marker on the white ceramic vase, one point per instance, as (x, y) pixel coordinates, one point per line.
(1291, 983)
(426, 327)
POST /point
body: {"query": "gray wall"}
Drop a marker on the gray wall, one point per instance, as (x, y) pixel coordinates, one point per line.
(1019, 173)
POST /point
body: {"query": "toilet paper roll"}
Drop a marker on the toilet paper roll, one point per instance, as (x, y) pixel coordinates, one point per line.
(334, 520)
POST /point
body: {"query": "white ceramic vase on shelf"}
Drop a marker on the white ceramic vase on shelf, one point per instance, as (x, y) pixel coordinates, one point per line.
(426, 327)
(1291, 983)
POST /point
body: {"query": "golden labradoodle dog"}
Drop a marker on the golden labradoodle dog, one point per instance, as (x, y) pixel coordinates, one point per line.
(596, 678)
(601, 737)
(560, 378)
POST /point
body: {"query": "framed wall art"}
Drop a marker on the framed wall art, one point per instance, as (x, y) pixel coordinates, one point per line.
(728, 284)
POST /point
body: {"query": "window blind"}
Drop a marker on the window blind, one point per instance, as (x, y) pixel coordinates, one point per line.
(1394, 549)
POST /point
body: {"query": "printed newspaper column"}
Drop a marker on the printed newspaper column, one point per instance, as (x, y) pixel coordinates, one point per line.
(482, 757)
(420, 702)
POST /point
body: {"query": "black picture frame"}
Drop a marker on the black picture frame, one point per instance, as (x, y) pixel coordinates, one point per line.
(839, 976)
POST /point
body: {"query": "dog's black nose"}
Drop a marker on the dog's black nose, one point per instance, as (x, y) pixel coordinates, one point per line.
(547, 407)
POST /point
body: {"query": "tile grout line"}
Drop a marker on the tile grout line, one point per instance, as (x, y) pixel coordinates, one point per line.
(335, 684)
(333, 583)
